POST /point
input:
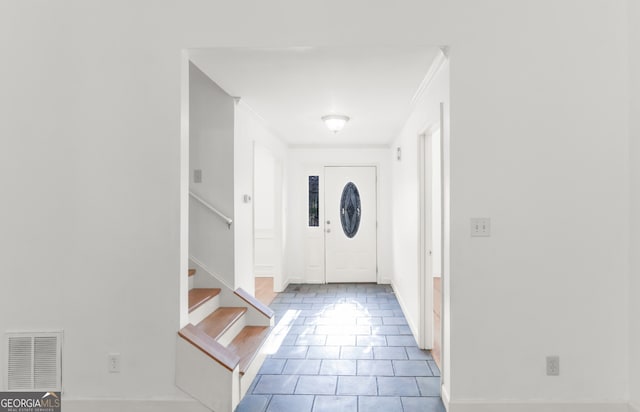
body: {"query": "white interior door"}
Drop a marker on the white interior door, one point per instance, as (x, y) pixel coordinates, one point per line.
(350, 224)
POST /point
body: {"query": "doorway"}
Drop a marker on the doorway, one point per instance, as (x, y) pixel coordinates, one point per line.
(431, 240)
(267, 224)
(350, 198)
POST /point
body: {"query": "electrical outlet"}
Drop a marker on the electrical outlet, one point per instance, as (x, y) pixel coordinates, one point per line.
(113, 362)
(553, 365)
(480, 226)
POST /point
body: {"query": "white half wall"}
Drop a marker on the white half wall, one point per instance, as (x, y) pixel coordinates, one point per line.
(634, 153)
(211, 149)
(305, 245)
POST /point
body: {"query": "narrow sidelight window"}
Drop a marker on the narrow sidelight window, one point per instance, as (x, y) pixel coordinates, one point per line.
(314, 204)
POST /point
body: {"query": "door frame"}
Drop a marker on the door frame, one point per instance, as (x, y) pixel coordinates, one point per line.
(324, 220)
(278, 206)
(425, 245)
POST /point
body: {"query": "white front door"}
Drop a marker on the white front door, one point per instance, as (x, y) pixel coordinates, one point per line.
(350, 224)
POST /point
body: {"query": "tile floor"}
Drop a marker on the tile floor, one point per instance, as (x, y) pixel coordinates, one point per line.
(343, 347)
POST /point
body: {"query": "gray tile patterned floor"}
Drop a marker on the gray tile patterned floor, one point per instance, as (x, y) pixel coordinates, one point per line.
(343, 347)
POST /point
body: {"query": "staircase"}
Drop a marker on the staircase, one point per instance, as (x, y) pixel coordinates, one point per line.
(221, 350)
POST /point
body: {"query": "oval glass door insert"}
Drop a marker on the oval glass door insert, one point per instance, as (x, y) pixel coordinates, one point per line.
(350, 210)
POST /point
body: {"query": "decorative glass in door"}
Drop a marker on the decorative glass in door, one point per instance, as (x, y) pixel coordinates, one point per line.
(350, 210)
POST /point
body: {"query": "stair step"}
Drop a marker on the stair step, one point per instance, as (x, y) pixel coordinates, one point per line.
(216, 324)
(199, 296)
(192, 272)
(248, 343)
(209, 346)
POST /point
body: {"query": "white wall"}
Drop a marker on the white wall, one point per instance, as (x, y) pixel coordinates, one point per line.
(264, 212)
(211, 148)
(250, 130)
(301, 249)
(539, 123)
(634, 153)
(405, 206)
(539, 144)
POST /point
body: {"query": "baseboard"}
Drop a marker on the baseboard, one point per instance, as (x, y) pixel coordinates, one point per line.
(385, 281)
(536, 406)
(634, 407)
(102, 405)
(403, 306)
(444, 394)
(289, 281)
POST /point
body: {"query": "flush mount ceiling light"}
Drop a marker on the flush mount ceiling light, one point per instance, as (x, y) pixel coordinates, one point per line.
(335, 122)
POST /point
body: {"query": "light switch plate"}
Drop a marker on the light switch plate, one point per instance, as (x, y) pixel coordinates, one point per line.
(480, 227)
(113, 360)
(197, 176)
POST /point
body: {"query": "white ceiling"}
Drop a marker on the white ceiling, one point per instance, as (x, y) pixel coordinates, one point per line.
(292, 88)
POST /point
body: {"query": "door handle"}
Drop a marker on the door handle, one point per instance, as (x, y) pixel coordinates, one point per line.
(328, 222)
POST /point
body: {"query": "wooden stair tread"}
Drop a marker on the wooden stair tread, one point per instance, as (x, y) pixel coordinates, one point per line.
(247, 344)
(209, 346)
(220, 320)
(253, 301)
(192, 272)
(199, 296)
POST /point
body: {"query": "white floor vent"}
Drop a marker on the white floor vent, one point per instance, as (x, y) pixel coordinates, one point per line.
(34, 361)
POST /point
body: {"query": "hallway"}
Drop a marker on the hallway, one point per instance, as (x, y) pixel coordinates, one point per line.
(343, 347)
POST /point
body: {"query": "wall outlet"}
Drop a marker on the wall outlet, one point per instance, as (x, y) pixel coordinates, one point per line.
(113, 362)
(553, 365)
(480, 226)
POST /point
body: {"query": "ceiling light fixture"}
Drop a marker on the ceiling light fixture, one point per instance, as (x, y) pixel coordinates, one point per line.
(335, 122)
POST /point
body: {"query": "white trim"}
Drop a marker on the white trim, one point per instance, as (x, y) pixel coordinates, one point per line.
(132, 405)
(425, 272)
(444, 233)
(403, 306)
(444, 394)
(289, 281)
(437, 63)
(210, 272)
(183, 279)
(536, 406)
